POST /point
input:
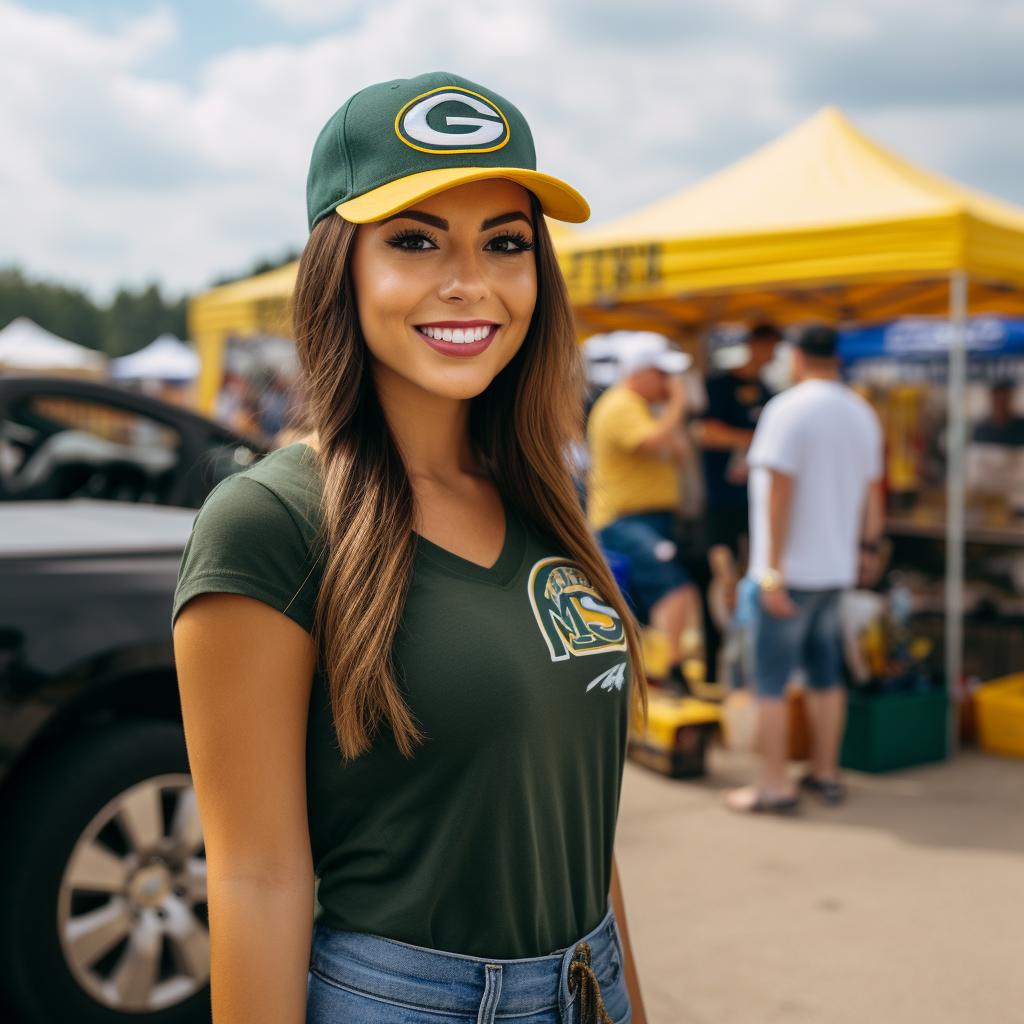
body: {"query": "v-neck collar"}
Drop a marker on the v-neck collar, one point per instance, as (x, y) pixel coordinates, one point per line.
(504, 570)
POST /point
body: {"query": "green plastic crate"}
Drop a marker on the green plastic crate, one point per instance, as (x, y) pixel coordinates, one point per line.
(889, 731)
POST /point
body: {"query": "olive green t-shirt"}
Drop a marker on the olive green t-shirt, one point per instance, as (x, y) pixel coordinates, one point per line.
(495, 838)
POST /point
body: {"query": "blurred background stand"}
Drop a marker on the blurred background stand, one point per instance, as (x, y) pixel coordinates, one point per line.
(822, 224)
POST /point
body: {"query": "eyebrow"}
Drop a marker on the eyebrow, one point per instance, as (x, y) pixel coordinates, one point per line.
(505, 218)
(425, 218)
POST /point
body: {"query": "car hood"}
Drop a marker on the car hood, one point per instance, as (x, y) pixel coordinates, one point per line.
(84, 526)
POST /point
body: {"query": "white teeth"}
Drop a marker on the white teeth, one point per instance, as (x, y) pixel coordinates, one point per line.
(458, 335)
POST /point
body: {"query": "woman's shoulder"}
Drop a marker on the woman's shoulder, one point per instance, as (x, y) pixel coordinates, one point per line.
(280, 492)
(291, 479)
(256, 535)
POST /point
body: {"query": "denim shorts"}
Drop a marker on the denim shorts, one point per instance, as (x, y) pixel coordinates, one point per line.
(366, 979)
(808, 640)
(650, 578)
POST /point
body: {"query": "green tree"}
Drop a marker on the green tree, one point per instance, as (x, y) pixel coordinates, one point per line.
(67, 312)
(131, 321)
(134, 319)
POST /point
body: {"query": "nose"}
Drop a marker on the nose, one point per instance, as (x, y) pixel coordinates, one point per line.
(464, 281)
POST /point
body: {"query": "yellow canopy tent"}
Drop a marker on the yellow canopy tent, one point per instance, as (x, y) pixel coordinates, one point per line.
(825, 224)
(822, 223)
(257, 305)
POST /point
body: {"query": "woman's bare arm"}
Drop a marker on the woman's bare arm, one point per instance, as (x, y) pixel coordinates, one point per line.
(632, 982)
(245, 673)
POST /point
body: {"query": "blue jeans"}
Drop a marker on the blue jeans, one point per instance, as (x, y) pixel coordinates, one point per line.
(650, 577)
(363, 979)
(809, 639)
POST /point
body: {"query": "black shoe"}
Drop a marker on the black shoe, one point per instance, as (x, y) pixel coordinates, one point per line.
(832, 791)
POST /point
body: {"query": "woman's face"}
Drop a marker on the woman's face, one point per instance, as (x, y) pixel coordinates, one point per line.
(446, 289)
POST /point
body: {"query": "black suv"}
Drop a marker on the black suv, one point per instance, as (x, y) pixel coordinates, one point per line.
(102, 867)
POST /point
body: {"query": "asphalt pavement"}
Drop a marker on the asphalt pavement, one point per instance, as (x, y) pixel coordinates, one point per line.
(903, 906)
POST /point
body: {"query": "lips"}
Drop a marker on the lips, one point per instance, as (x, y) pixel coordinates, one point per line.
(458, 337)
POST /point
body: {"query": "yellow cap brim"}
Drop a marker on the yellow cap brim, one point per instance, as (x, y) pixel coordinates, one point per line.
(557, 199)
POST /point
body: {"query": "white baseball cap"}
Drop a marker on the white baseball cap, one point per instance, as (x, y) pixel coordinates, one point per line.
(641, 350)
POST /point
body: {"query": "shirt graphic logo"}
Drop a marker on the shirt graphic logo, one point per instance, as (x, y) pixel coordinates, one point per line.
(427, 122)
(615, 676)
(573, 618)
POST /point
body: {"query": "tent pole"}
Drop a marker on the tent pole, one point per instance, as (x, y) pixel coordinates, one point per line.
(956, 437)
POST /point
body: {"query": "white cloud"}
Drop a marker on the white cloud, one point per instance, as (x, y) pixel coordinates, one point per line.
(110, 173)
(314, 12)
(841, 22)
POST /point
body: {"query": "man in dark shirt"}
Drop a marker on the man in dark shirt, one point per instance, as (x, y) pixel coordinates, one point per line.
(1001, 427)
(735, 400)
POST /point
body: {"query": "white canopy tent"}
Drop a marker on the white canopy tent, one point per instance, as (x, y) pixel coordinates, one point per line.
(25, 346)
(167, 358)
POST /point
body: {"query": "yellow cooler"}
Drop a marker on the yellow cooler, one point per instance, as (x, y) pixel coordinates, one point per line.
(999, 712)
(677, 734)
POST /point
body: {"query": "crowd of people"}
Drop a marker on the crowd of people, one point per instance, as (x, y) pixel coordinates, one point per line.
(792, 506)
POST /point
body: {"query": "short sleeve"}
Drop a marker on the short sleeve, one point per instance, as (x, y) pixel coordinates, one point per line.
(630, 422)
(776, 443)
(246, 541)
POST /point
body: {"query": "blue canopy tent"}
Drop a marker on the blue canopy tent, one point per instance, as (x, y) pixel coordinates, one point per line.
(929, 339)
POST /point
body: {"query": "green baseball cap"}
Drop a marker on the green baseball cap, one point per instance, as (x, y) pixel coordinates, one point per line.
(398, 142)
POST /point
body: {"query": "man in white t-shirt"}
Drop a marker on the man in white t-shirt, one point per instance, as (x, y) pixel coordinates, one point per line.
(815, 503)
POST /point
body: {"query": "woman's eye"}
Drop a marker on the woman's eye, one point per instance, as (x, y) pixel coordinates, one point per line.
(509, 244)
(412, 241)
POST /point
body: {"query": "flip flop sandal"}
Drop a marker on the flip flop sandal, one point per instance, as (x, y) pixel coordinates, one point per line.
(830, 790)
(766, 803)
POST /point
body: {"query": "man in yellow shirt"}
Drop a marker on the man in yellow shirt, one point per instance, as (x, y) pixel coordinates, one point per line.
(634, 487)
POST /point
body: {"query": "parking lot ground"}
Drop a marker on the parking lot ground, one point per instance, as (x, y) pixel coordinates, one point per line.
(904, 906)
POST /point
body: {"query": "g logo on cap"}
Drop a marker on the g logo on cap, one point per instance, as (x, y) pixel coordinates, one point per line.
(413, 123)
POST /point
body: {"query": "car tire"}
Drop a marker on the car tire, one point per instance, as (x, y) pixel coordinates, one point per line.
(103, 883)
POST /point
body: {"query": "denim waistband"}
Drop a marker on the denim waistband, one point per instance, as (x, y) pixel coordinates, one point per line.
(431, 979)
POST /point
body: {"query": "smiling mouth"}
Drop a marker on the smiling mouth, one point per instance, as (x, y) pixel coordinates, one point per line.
(464, 334)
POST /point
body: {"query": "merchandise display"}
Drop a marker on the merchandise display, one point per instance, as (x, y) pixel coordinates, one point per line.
(901, 368)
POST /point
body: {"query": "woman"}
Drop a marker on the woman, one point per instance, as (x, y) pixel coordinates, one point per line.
(403, 662)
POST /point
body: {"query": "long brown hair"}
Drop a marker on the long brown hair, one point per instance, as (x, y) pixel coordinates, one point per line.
(522, 424)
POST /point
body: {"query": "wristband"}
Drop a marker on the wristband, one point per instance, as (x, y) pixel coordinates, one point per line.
(772, 580)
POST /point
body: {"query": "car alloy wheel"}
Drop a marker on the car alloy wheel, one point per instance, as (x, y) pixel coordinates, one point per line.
(131, 911)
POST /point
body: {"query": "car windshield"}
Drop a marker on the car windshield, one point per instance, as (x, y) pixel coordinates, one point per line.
(55, 446)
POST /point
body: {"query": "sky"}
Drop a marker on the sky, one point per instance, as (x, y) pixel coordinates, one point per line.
(169, 142)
